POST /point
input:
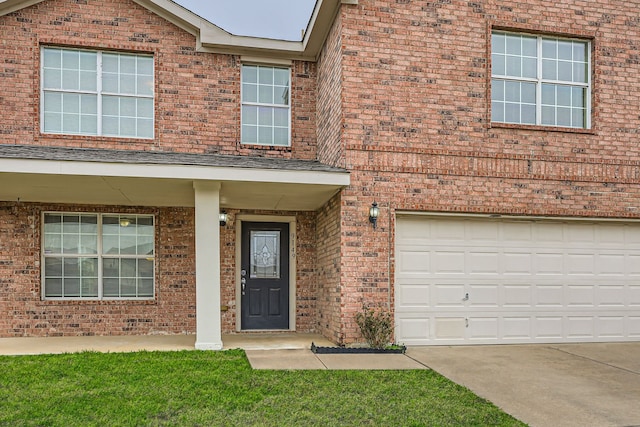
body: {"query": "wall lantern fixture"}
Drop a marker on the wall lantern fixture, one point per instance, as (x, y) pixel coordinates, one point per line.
(374, 211)
(223, 218)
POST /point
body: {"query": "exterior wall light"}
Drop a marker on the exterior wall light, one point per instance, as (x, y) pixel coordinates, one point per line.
(223, 218)
(374, 211)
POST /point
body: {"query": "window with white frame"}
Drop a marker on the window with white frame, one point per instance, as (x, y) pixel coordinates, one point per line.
(86, 92)
(98, 256)
(540, 80)
(265, 105)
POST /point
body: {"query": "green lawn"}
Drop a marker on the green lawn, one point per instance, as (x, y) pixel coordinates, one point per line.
(220, 389)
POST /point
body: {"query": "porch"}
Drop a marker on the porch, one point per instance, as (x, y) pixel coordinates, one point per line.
(106, 344)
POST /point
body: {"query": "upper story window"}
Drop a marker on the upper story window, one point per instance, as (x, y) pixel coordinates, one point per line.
(266, 115)
(98, 256)
(540, 80)
(88, 92)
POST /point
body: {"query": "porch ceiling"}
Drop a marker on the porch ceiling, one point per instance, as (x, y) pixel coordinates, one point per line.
(159, 192)
(162, 179)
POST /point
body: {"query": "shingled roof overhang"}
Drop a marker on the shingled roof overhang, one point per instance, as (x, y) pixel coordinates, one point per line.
(151, 178)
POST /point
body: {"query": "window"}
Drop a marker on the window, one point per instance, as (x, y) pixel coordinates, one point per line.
(265, 105)
(96, 93)
(90, 256)
(540, 80)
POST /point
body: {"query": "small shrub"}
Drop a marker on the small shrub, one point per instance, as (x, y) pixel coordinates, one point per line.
(376, 327)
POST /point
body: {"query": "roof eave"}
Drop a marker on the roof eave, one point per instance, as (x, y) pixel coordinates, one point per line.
(211, 38)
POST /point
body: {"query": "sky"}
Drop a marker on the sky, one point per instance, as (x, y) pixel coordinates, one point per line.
(275, 19)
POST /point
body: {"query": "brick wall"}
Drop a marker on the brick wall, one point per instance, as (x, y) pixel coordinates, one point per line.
(418, 137)
(330, 120)
(197, 94)
(24, 313)
(328, 267)
(172, 311)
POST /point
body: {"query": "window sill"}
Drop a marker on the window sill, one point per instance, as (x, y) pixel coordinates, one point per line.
(96, 138)
(541, 128)
(70, 301)
(265, 147)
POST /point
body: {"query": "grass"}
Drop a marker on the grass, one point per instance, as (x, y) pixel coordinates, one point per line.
(220, 389)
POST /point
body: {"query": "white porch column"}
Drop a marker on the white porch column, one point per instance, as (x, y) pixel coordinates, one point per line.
(208, 326)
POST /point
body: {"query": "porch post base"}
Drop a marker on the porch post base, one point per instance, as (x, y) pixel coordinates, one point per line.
(208, 345)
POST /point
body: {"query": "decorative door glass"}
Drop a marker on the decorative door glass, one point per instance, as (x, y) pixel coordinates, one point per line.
(265, 255)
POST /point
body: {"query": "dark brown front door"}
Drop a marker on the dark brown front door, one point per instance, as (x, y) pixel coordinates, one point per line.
(264, 275)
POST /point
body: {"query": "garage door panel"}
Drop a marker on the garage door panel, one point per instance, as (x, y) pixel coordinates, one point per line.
(579, 233)
(611, 234)
(517, 263)
(610, 327)
(634, 295)
(548, 327)
(580, 327)
(610, 296)
(411, 295)
(580, 296)
(516, 328)
(448, 262)
(483, 328)
(526, 281)
(517, 233)
(481, 263)
(549, 234)
(413, 330)
(580, 264)
(634, 327)
(549, 296)
(549, 263)
(634, 265)
(484, 296)
(632, 237)
(448, 295)
(482, 235)
(517, 295)
(610, 264)
(448, 231)
(450, 328)
(414, 262)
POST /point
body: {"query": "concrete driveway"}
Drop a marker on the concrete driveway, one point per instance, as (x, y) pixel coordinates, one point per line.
(551, 384)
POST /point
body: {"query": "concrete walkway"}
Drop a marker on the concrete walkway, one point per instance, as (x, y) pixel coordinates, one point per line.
(548, 385)
(264, 351)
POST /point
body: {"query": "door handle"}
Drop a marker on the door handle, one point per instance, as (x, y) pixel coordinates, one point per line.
(466, 297)
(243, 281)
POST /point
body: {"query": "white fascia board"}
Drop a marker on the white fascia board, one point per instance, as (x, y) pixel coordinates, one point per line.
(191, 172)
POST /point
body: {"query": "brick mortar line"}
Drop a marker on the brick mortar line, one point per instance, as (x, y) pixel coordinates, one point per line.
(491, 156)
(494, 175)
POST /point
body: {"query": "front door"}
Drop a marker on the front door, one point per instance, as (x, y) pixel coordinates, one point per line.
(264, 275)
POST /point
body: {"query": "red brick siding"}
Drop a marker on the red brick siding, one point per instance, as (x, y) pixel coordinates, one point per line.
(328, 267)
(330, 149)
(24, 313)
(172, 311)
(418, 137)
(197, 94)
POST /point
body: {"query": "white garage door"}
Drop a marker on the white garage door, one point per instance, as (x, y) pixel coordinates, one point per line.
(493, 281)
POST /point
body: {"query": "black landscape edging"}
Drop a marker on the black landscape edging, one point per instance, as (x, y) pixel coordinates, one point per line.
(356, 350)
